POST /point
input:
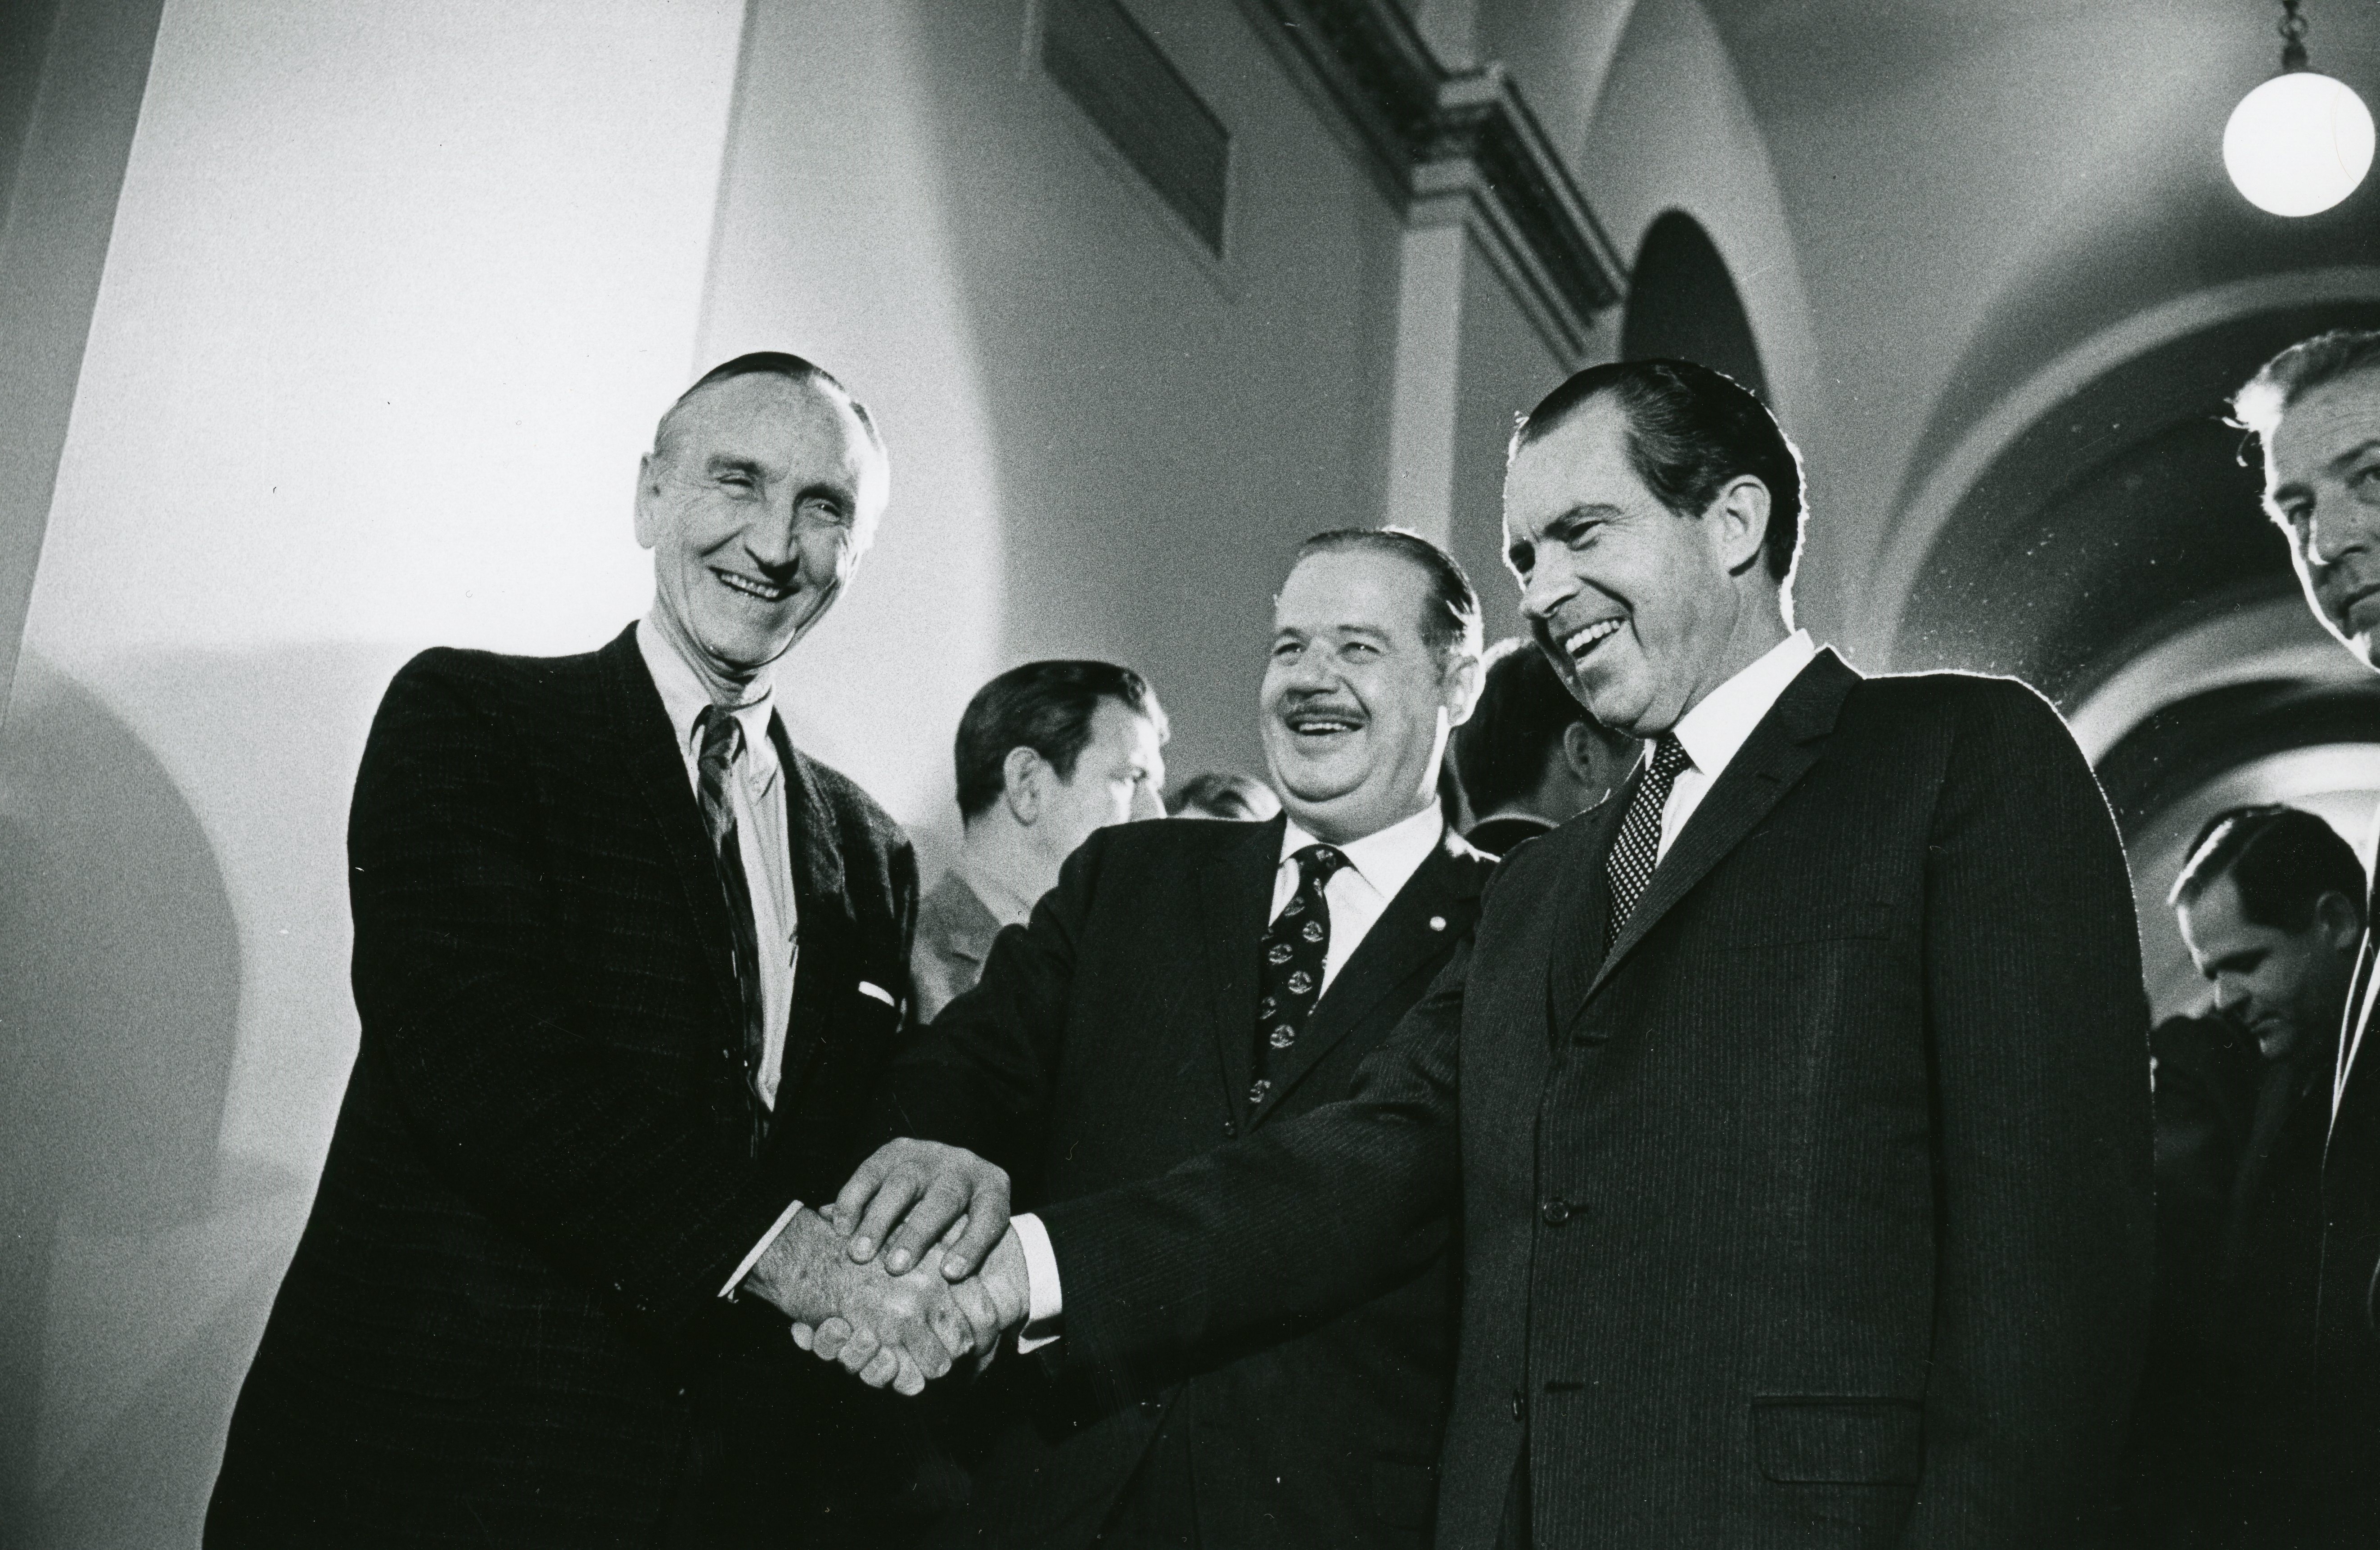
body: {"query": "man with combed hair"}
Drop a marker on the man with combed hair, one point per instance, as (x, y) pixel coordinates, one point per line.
(1795, 1107)
(1531, 758)
(2270, 904)
(627, 966)
(2315, 408)
(1186, 983)
(1046, 754)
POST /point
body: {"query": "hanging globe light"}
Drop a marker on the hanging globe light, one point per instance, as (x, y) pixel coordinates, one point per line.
(2301, 142)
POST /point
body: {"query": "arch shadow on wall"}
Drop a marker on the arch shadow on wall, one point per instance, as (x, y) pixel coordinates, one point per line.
(119, 997)
(1683, 303)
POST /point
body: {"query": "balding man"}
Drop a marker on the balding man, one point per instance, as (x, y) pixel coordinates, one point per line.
(627, 964)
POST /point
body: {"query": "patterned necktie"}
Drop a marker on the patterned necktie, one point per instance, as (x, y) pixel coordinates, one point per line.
(1635, 854)
(723, 739)
(1293, 949)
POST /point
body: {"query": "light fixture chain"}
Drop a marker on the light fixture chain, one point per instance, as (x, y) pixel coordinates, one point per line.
(2293, 31)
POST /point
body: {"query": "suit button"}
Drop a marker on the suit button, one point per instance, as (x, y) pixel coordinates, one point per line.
(1151, 1408)
(1555, 1212)
(1231, 1128)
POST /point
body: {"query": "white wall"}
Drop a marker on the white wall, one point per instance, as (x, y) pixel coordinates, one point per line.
(394, 296)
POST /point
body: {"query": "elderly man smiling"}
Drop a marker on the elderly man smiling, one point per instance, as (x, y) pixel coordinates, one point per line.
(596, 1077)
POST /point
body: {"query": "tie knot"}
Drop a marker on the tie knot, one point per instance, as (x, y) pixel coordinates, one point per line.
(721, 736)
(1669, 758)
(1319, 864)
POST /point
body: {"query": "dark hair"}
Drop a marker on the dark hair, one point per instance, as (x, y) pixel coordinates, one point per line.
(2281, 859)
(1522, 711)
(773, 363)
(1450, 618)
(1689, 431)
(1225, 793)
(2297, 371)
(1046, 707)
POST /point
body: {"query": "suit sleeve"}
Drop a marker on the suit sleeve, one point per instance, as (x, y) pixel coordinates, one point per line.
(980, 1077)
(2037, 1024)
(608, 1158)
(1305, 1218)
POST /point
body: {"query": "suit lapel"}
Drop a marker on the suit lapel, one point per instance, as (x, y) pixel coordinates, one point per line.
(1779, 750)
(1235, 893)
(1580, 903)
(823, 927)
(648, 746)
(1401, 943)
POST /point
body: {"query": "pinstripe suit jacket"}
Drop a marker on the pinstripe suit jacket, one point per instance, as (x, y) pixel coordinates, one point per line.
(502, 1324)
(1814, 1214)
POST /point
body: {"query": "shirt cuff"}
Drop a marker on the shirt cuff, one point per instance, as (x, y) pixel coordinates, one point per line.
(774, 1232)
(1045, 1303)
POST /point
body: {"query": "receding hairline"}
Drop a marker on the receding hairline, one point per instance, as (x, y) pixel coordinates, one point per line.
(815, 377)
(1461, 639)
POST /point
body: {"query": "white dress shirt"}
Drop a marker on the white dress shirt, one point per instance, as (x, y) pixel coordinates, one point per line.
(754, 795)
(1714, 729)
(1378, 867)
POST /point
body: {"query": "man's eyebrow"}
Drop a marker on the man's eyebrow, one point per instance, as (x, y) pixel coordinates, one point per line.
(2361, 449)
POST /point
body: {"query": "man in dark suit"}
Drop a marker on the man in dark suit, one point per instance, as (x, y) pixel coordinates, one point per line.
(2315, 410)
(1188, 981)
(1045, 753)
(596, 1076)
(1531, 758)
(1796, 1106)
(2271, 906)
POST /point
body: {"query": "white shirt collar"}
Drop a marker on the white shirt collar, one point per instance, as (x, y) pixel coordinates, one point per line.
(1713, 731)
(1386, 858)
(684, 699)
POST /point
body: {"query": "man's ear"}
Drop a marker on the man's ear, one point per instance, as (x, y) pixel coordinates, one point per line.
(1739, 522)
(1021, 776)
(1582, 756)
(648, 529)
(2342, 925)
(1459, 683)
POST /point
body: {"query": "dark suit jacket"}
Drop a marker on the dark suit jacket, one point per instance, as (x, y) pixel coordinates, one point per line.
(2347, 1349)
(503, 1323)
(1108, 1041)
(1818, 1213)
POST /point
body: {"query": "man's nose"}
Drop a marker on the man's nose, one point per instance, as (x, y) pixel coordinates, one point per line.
(1546, 589)
(2230, 995)
(773, 537)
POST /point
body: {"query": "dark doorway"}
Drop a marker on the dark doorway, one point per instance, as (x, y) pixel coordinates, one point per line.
(1682, 306)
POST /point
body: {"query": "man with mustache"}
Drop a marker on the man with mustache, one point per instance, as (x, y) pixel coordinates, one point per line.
(1188, 982)
(1794, 1102)
(2315, 408)
(627, 966)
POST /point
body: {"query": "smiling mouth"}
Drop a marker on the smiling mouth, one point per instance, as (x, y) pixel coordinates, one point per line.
(1319, 727)
(1580, 643)
(752, 587)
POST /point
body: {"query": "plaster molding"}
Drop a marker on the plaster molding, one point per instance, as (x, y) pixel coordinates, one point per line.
(1458, 147)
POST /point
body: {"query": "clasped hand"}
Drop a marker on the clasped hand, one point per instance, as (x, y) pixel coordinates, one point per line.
(907, 1316)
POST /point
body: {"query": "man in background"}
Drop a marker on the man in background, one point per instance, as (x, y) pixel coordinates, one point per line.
(1046, 754)
(2315, 408)
(2270, 904)
(1187, 983)
(1531, 758)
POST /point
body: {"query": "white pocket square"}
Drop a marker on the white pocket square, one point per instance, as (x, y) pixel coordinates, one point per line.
(880, 993)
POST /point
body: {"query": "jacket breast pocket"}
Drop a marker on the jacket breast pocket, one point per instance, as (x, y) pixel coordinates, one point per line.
(1824, 1441)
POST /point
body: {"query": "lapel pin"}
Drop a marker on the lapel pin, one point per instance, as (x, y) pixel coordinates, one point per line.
(1438, 923)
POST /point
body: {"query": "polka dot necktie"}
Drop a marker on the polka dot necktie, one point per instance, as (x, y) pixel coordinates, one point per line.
(722, 738)
(1638, 849)
(1293, 949)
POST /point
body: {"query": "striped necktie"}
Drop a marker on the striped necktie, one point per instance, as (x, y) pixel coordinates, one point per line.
(723, 739)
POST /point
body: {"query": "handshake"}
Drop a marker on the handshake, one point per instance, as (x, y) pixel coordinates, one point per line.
(884, 1282)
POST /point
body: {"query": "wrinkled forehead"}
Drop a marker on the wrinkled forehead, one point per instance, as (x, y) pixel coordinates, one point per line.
(1581, 462)
(1341, 589)
(760, 413)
